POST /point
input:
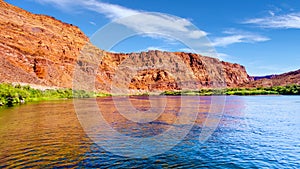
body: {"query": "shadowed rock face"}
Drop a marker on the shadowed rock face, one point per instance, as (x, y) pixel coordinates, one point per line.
(41, 50)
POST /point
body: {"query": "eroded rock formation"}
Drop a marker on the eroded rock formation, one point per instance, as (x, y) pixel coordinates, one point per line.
(41, 50)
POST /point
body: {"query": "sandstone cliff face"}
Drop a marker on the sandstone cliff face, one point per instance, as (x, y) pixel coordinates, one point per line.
(36, 48)
(42, 50)
(236, 75)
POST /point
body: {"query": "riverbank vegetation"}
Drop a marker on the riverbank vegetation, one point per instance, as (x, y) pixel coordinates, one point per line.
(276, 90)
(15, 94)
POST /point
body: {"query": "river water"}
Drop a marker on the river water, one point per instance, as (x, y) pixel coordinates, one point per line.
(251, 132)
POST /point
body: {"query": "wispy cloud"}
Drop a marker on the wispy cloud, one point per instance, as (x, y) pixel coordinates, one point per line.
(163, 25)
(92, 23)
(234, 36)
(148, 23)
(155, 48)
(212, 53)
(187, 50)
(111, 11)
(285, 21)
(224, 56)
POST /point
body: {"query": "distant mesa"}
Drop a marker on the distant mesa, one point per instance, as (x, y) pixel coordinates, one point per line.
(284, 79)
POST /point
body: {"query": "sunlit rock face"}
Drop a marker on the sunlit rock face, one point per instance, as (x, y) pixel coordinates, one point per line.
(41, 50)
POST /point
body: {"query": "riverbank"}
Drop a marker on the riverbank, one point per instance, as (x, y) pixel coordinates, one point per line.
(12, 94)
(276, 90)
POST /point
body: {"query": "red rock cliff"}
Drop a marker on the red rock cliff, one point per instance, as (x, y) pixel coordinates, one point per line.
(41, 50)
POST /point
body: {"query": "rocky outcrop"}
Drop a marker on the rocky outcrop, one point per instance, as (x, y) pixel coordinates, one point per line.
(41, 50)
(158, 71)
(236, 74)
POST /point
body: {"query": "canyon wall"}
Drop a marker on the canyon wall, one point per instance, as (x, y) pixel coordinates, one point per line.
(41, 50)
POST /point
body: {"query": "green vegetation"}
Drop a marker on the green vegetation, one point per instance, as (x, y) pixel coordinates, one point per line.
(11, 95)
(277, 90)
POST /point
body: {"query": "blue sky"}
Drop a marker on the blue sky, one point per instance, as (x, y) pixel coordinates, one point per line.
(262, 35)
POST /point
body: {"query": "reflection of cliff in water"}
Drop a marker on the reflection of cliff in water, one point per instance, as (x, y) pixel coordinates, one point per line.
(41, 135)
(161, 121)
(49, 133)
(122, 123)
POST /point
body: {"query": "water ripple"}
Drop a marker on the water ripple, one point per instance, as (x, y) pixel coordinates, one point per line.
(255, 132)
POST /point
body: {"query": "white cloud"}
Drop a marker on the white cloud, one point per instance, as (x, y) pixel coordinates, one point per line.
(155, 48)
(209, 53)
(164, 25)
(111, 11)
(187, 50)
(145, 22)
(286, 21)
(271, 13)
(92, 23)
(58, 3)
(223, 56)
(237, 36)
